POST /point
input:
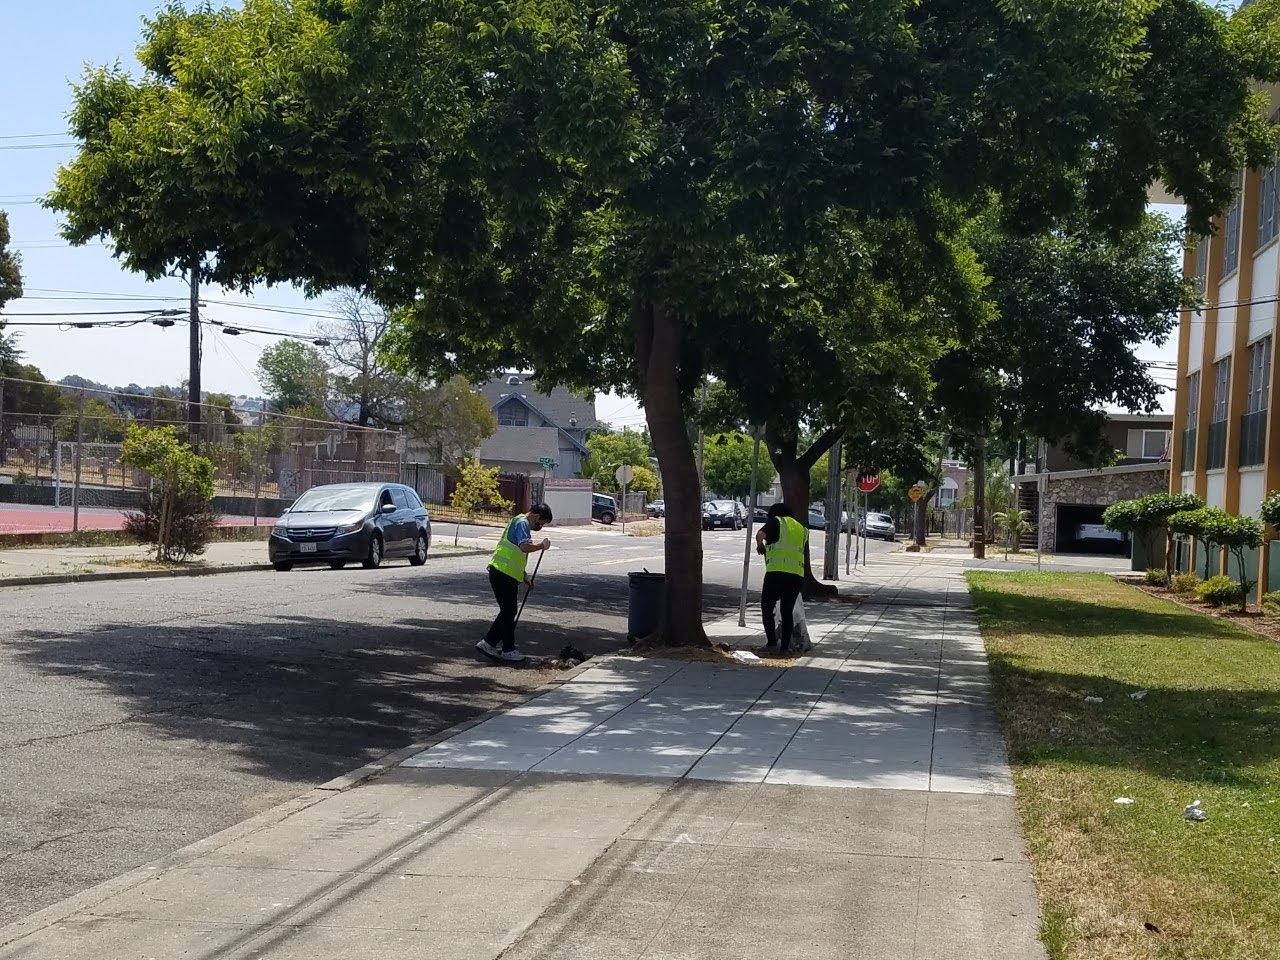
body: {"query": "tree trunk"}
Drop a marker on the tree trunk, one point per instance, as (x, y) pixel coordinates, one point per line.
(657, 334)
(793, 474)
(980, 499)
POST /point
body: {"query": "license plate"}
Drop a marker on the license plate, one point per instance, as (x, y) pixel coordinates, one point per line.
(307, 547)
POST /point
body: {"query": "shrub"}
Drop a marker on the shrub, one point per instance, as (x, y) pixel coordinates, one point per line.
(1220, 591)
(1184, 584)
(1156, 577)
(1271, 602)
(192, 522)
(183, 486)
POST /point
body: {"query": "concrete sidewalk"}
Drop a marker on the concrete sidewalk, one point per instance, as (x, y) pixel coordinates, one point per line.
(854, 805)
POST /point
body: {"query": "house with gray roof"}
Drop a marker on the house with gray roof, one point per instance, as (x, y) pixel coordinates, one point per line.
(534, 423)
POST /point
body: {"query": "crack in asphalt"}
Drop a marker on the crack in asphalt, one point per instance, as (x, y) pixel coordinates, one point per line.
(99, 727)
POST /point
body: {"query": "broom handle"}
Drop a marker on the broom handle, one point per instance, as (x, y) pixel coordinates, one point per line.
(530, 586)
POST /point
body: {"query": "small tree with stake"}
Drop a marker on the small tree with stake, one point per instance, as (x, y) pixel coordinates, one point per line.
(176, 515)
(1200, 525)
(477, 485)
(1146, 519)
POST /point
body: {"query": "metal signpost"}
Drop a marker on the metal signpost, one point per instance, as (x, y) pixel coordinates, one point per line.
(547, 464)
(751, 519)
(624, 475)
(868, 483)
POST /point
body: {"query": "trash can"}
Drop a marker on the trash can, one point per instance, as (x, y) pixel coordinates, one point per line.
(644, 610)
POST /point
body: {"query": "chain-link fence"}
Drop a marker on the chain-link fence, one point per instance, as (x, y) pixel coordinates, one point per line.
(61, 446)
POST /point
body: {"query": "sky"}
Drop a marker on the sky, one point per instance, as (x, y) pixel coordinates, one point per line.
(50, 44)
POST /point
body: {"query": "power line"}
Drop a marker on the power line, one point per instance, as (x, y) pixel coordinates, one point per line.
(38, 146)
(31, 136)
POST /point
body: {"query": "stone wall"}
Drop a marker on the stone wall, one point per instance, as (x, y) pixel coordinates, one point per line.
(1102, 488)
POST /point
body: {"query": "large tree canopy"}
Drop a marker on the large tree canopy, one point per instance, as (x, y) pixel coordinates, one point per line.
(608, 194)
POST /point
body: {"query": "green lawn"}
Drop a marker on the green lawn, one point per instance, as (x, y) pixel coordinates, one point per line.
(1208, 729)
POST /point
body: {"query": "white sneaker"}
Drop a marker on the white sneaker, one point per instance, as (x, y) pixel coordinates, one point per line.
(511, 656)
(489, 650)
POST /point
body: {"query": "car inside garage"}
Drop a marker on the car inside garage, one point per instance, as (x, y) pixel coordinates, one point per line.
(1080, 530)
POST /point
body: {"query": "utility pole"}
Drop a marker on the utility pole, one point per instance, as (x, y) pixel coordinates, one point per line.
(980, 498)
(4, 447)
(193, 376)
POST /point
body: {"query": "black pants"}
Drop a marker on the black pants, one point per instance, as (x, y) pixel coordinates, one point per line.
(507, 592)
(784, 588)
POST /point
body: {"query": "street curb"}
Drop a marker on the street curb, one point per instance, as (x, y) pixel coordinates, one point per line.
(59, 578)
(86, 900)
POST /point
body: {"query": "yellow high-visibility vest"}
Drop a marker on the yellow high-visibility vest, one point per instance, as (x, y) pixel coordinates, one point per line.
(787, 555)
(508, 558)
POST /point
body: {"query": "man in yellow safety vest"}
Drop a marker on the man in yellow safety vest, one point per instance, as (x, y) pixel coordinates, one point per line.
(506, 573)
(781, 540)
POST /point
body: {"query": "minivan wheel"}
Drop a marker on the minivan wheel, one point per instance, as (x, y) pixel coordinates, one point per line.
(420, 546)
(374, 560)
(607, 519)
(337, 564)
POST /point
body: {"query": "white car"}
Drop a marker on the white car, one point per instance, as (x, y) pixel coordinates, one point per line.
(1096, 531)
(880, 526)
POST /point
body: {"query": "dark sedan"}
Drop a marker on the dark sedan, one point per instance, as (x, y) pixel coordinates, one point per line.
(345, 523)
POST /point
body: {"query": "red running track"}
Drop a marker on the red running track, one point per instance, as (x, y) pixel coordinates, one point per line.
(19, 518)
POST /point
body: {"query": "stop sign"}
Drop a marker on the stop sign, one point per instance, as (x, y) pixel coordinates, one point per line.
(868, 481)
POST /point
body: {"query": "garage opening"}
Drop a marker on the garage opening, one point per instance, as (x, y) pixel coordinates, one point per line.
(1080, 530)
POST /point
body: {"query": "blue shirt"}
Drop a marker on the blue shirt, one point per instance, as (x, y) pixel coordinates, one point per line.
(520, 532)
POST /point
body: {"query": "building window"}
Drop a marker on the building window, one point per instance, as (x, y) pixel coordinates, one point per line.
(1259, 375)
(1269, 205)
(1231, 230)
(1217, 445)
(1193, 399)
(1231, 239)
(1148, 444)
(1221, 389)
(513, 414)
(946, 497)
(1202, 264)
(1253, 425)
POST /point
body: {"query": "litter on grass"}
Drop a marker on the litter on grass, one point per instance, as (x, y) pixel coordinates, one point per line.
(1195, 813)
(1123, 801)
(1138, 695)
(1092, 699)
(745, 656)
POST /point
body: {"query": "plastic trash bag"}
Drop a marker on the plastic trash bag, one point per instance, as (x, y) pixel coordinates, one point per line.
(800, 639)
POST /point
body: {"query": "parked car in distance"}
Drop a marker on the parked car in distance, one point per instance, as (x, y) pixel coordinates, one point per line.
(604, 508)
(723, 513)
(345, 523)
(762, 513)
(657, 509)
(817, 520)
(880, 526)
(1096, 531)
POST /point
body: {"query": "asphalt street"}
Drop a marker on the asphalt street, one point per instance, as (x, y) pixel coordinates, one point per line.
(137, 717)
